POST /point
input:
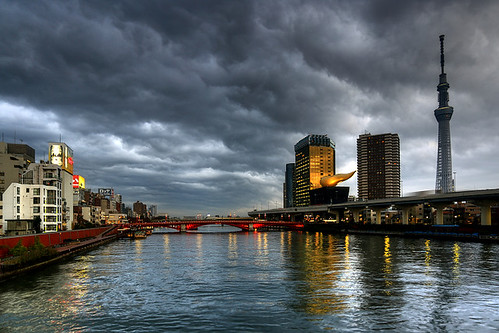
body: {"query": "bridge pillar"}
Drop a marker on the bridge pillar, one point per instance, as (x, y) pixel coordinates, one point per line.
(251, 227)
(378, 211)
(405, 215)
(440, 213)
(405, 212)
(183, 228)
(356, 214)
(485, 212)
(336, 213)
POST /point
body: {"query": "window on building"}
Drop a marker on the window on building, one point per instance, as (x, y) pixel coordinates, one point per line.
(18, 191)
(36, 191)
(27, 189)
(36, 200)
(36, 209)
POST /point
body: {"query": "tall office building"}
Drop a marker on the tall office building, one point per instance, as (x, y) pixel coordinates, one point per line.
(444, 182)
(378, 166)
(314, 159)
(288, 185)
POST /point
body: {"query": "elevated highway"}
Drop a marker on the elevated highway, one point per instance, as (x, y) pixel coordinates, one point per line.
(481, 198)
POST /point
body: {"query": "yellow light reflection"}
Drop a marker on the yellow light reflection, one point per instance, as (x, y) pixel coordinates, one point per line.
(323, 270)
(456, 251)
(332, 244)
(427, 255)
(308, 238)
(347, 252)
(138, 251)
(199, 244)
(318, 239)
(233, 246)
(262, 243)
(387, 268)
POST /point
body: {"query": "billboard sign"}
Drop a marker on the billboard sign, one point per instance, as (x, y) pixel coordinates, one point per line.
(62, 155)
(78, 181)
(106, 191)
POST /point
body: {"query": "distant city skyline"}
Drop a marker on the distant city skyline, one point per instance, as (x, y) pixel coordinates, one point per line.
(195, 107)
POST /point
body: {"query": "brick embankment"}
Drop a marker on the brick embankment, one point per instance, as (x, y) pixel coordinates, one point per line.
(65, 251)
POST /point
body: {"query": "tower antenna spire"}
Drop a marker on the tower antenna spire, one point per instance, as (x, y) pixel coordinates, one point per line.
(442, 60)
(444, 182)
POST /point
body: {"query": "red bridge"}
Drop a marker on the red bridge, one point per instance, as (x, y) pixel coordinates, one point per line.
(246, 225)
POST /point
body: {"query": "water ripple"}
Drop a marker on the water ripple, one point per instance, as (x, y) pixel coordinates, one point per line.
(262, 282)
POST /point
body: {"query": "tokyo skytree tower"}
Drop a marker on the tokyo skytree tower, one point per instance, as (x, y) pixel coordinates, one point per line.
(444, 183)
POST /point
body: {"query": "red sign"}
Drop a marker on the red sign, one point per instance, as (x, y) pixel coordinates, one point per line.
(76, 181)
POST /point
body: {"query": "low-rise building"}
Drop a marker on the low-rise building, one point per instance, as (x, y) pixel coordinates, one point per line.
(32, 201)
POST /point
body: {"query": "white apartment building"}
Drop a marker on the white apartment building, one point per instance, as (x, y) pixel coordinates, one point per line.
(53, 175)
(28, 201)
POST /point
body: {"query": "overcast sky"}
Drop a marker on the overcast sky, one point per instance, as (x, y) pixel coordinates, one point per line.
(195, 105)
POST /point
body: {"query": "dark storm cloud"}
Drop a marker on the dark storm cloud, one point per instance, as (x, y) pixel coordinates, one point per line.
(196, 105)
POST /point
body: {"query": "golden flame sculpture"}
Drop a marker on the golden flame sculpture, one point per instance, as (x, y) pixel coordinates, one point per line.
(330, 181)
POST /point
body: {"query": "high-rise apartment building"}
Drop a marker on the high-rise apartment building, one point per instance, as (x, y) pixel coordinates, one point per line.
(288, 185)
(378, 166)
(139, 208)
(314, 159)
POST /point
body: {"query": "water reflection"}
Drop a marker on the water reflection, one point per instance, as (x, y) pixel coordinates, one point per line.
(347, 252)
(455, 268)
(387, 268)
(166, 250)
(427, 256)
(262, 282)
(233, 250)
(138, 250)
(199, 246)
(319, 266)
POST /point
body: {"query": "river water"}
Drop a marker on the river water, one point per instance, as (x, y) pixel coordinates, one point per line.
(261, 282)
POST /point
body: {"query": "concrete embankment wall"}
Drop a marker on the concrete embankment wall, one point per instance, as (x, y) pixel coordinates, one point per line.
(48, 239)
